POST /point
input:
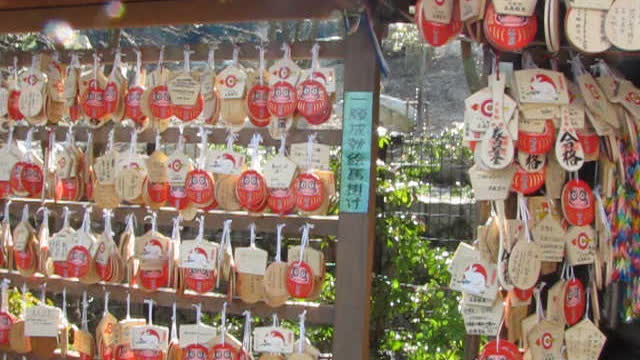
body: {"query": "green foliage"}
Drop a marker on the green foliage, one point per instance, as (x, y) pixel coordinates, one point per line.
(414, 315)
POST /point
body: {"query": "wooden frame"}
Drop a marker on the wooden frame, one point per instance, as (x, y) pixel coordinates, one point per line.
(355, 231)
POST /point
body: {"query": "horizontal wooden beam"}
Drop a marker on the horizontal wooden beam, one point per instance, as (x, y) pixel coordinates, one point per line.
(34, 15)
(216, 135)
(211, 302)
(224, 51)
(214, 219)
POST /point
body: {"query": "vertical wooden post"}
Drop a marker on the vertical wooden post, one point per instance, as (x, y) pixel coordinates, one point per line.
(356, 230)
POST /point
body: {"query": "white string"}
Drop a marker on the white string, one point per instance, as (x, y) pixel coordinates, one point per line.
(107, 214)
(5, 217)
(180, 146)
(65, 217)
(158, 139)
(43, 293)
(161, 58)
(187, 59)
(5, 295)
(224, 322)
(231, 138)
(211, 57)
(261, 68)
(106, 302)
(287, 50)
(138, 69)
(304, 243)
(64, 306)
(110, 140)
(174, 326)
(24, 299)
(175, 232)
(225, 242)
(86, 219)
(198, 320)
(128, 316)
(311, 141)
(283, 143)
(96, 63)
(200, 221)
(235, 55)
(539, 310)
(524, 213)
(203, 147)
(246, 338)
(274, 320)
(149, 302)
(279, 242)
(85, 306)
(586, 311)
(25, 213)
(602, 212)
(15, 71)
(252, 234)
(315, 64)
(256, 140)
(27, 143)
(117, 62)
(12, 128)
(303, 338)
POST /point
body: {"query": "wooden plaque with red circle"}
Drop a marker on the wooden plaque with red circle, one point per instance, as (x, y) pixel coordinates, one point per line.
(6, 321)
(177, 197)
(79, 261)
(195, 352)
(160, 102)
(111, 97)
(281, 201)
(24, 259)
(200, 187)
(158, 191)
(509, 32)
(312, 98)
(93, 104)
(32, 179)
(224, 352)
(154, 279)
(133, 104)
(575, 301)
(188, 112)
(309, 191)
(300, 279)
(251, 190)
(282, 99)
(200, 280)
(578, 203)
(257, 104)
(537, 143)
(500, 350)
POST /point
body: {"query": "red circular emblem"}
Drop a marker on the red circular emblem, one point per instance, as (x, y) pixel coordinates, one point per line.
(133, 104)
(14, 106)
(528, 182)
(24, 259)
(200, 280)
(32, 179)
(177, 197)
(67, 189)
(93, 104)
(200, 187)
(79, 260)
(251, 190)
(154, 279)
(160, 101)
(320, 119)
(15, 181)
(61, 268)
(312, 98)
(281, 201)
(578, 204)
(6, 321)
(282, 99)
(224, 352)
(590, 142)
(111, 97)
(195, 352)
(299, 279)
(575, 301)
(509, 32)
(257, 105)
(188, 112)
(500, 350)
(523, 295)
(148, 355)
(158, 191)
(105, 270)
(537, 143)
(309, 191)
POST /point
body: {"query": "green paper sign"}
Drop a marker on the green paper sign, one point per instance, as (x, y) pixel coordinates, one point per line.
(356, 152)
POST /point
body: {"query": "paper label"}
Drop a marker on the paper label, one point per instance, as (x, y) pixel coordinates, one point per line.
(273, 340)
(224, 162)
(197, 334)
(183, 89)
(515, 7)
(42, 320)
(251, 260)
(279, 172)
(549, 234)
(149, 337)
(591, 4)
(356, 152)
(196, 254)
(481, 320)
(319, 158)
